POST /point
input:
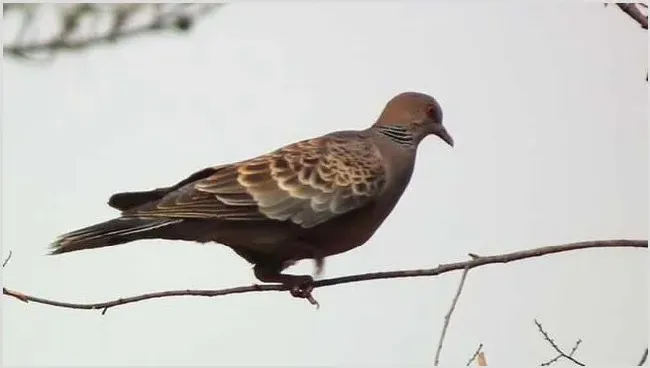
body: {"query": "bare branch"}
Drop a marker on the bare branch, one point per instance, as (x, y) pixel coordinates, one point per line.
(478, 350)
(644, 357)
(575, 347)
(557, 348)
(573, 350)
(634, 11)
(443, 268)
(7, 259)
(449, 313)
(71, 17)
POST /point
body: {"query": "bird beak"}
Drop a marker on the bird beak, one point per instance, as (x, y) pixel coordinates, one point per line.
(444, 135)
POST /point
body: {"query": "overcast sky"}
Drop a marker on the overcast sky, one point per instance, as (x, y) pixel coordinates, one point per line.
(547, 104)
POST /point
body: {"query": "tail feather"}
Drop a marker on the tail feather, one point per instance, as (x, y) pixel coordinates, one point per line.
(126, 200)
(112, 232)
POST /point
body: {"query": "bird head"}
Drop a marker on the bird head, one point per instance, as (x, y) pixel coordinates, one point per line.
(417, 113)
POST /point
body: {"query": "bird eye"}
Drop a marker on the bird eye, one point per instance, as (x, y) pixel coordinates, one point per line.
(434, 113)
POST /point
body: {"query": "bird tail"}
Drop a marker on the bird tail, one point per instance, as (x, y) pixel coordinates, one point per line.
(112, 232)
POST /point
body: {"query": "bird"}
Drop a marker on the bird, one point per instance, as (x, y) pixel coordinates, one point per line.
(310, 199)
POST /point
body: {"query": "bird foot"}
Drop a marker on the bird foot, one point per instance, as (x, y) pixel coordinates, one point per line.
(305, 293)
(302, 288)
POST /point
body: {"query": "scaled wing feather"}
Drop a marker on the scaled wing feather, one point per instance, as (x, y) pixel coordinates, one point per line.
(308, 183)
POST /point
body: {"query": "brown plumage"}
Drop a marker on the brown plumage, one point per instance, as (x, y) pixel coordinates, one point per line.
(307, 200)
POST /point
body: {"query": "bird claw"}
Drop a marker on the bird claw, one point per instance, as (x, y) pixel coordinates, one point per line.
(300, 286)
(303, 291)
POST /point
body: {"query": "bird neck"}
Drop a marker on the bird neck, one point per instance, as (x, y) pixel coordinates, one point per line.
(398, 134)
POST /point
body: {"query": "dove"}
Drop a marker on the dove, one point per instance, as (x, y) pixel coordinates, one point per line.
(310, 199)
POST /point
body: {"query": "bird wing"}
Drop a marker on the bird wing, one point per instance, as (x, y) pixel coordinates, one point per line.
(307, 183)
(128, 200)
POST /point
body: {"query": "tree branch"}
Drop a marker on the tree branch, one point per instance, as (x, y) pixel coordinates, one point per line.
(7, 259)
(443, 268)
(573, 350)
(644, 357)
(635, 13)
(475, 355)
(448, 315)
(177, 18)
(557, 348)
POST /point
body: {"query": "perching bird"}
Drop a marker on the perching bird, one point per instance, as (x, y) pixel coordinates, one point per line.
(307, 200)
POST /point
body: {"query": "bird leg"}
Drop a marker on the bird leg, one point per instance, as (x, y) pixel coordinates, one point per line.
(300, 286)
(319, 264)
(307, 250)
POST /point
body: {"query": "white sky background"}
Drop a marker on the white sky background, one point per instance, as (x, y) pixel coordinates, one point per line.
(547, 104)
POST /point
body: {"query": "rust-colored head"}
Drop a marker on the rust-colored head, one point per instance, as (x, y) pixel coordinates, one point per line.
(419, 113)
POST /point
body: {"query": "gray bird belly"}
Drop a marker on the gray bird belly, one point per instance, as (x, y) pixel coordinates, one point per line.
(261, 237)
(344, 233)
(357, 227)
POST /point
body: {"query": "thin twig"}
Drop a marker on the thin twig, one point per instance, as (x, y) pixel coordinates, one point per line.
(573, 350)
(478, 350)
(644, 357)
(575, 347)
(61, 43)
(443, 268)
(7, 259)
(445, 325)
(635, 13)
(557, 348)
(547, 363)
